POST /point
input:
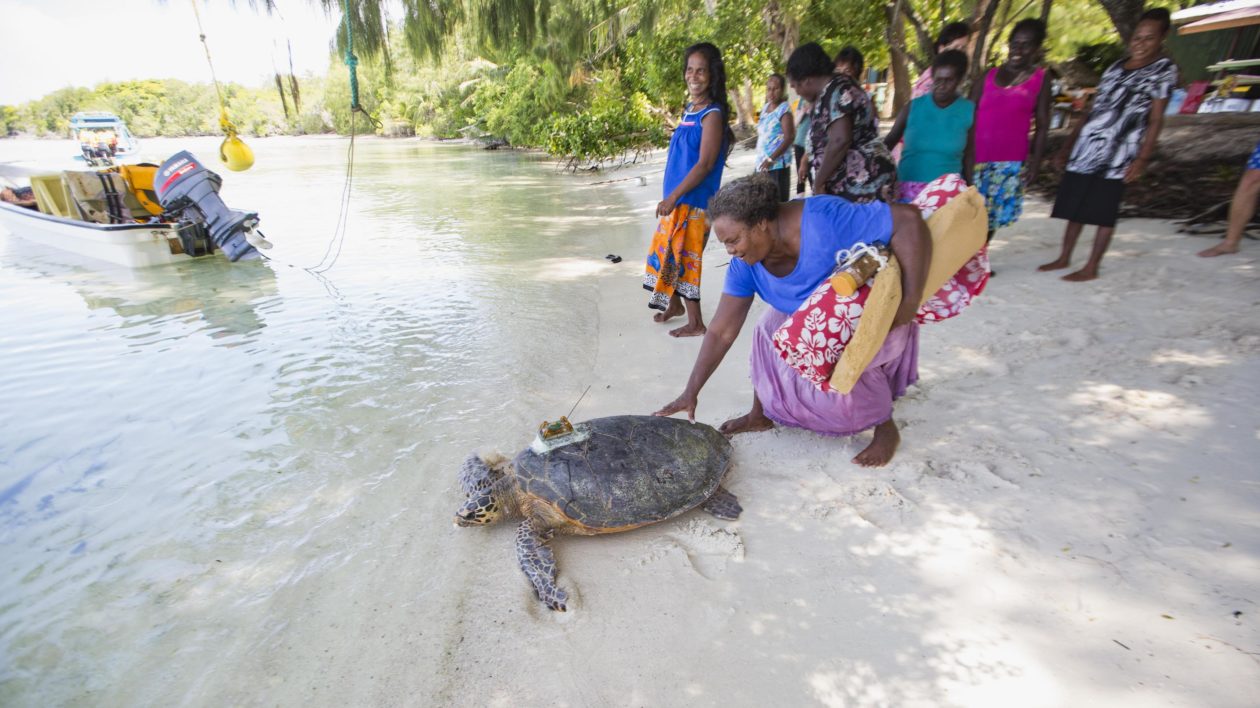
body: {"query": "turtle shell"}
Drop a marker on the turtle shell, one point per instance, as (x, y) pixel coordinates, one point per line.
(633, 470)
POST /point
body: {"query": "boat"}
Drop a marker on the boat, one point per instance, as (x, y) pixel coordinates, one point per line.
(103, 137)
(131, 245)
(133, 215)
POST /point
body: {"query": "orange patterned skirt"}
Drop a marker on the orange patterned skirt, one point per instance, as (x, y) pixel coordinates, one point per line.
(673, 263)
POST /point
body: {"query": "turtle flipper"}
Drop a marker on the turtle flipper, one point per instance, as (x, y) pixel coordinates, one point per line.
(539, 564)
(723, 505)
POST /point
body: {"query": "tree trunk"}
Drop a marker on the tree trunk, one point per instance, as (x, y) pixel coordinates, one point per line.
(927, 43)
(1045, 11)
(898, 60)
(1124, 15)
(784, 31)
(745, 112)
(981, 21)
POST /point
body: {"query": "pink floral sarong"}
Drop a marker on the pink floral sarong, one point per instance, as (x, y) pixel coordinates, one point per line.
(811, 340)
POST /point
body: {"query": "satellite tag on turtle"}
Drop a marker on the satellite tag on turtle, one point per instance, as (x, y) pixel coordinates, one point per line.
(552, 436)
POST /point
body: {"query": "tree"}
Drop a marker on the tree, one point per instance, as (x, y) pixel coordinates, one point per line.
(1124, 15)
(10, 120)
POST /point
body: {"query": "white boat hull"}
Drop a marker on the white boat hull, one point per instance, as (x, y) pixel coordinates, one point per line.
(130, 245)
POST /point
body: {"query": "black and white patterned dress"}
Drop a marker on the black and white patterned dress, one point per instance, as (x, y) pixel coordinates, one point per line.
(1117, 123)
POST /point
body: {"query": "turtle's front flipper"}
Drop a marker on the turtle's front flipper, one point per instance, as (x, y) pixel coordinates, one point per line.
(539, 564)
(723, 505)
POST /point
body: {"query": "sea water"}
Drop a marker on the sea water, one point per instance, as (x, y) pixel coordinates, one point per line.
(197, 459)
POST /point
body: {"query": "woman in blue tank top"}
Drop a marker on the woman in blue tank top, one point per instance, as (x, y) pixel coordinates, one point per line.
(693, 171)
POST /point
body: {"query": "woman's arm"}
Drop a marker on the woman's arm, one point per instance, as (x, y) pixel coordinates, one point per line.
(1065, 152)
(1042, 118)
(839, 136)
(898, 127)
(710, 145)
(1155, 123)
(788, 124)
(723, 330)
(977, 90)
(969, 155)
(912, 244)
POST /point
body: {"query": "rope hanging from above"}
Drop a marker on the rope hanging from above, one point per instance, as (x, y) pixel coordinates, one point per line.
(352, 62)
(234, 153)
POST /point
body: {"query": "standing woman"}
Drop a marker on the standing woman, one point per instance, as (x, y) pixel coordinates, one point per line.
(776, 130)
(953, 36)
(937, 130)
(1111, 147)
(848, 157)
(693, 172)
(1008, 100)
(851, 63)
(800, 146)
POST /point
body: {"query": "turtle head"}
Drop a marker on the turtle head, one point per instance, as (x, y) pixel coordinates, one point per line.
(478, 480)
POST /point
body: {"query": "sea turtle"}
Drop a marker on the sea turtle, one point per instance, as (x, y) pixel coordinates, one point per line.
(631, 471)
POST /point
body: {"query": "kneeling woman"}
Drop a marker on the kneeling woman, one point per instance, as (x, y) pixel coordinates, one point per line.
(782, 252)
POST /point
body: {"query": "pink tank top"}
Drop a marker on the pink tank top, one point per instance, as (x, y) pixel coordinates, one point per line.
(1004, 117)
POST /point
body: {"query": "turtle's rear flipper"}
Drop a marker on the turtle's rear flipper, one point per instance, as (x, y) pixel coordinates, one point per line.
(539, 564)
(723, 505)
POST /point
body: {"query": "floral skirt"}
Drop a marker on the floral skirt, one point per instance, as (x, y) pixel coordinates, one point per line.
(1002, 187)
(673, 263)
(907, 191)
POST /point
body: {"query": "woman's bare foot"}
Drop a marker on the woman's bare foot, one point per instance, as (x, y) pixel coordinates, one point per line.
(1054, 265)
(882, 448)
(688, 330)
(675, 309)
(748, 423)
(1082, 275)
(1220, 249)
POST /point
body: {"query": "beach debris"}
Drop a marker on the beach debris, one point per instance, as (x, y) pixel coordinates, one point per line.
(1122, 644)
(614, 258)
(626, 472)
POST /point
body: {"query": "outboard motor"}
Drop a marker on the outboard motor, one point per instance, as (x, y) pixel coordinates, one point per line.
(184, 186)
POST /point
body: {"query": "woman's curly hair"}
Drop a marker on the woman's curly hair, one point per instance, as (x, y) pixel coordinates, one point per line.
(749, 200)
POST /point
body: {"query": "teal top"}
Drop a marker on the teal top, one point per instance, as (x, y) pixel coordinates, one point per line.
(935, 139)
(802, 129)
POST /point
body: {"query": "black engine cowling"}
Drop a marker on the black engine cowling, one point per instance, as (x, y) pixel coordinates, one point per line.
(184, 186)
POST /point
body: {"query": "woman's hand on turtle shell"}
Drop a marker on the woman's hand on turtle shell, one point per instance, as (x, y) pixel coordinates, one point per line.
(685, 402)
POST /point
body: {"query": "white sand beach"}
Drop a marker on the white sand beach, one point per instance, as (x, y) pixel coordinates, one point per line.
(1071, 520)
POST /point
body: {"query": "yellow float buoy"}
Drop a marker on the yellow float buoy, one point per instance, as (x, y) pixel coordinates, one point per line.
(236, 154)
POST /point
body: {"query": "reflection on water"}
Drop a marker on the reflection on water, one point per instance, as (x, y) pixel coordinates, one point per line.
(179, 445)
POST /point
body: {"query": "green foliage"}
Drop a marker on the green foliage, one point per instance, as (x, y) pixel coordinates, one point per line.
(1099, 56)
(51, 114)
(519, 106)
(585, 79)
(10, 120)
(170, 107)
(609, 125)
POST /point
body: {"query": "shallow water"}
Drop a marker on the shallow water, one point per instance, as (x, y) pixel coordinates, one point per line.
(188, 452)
